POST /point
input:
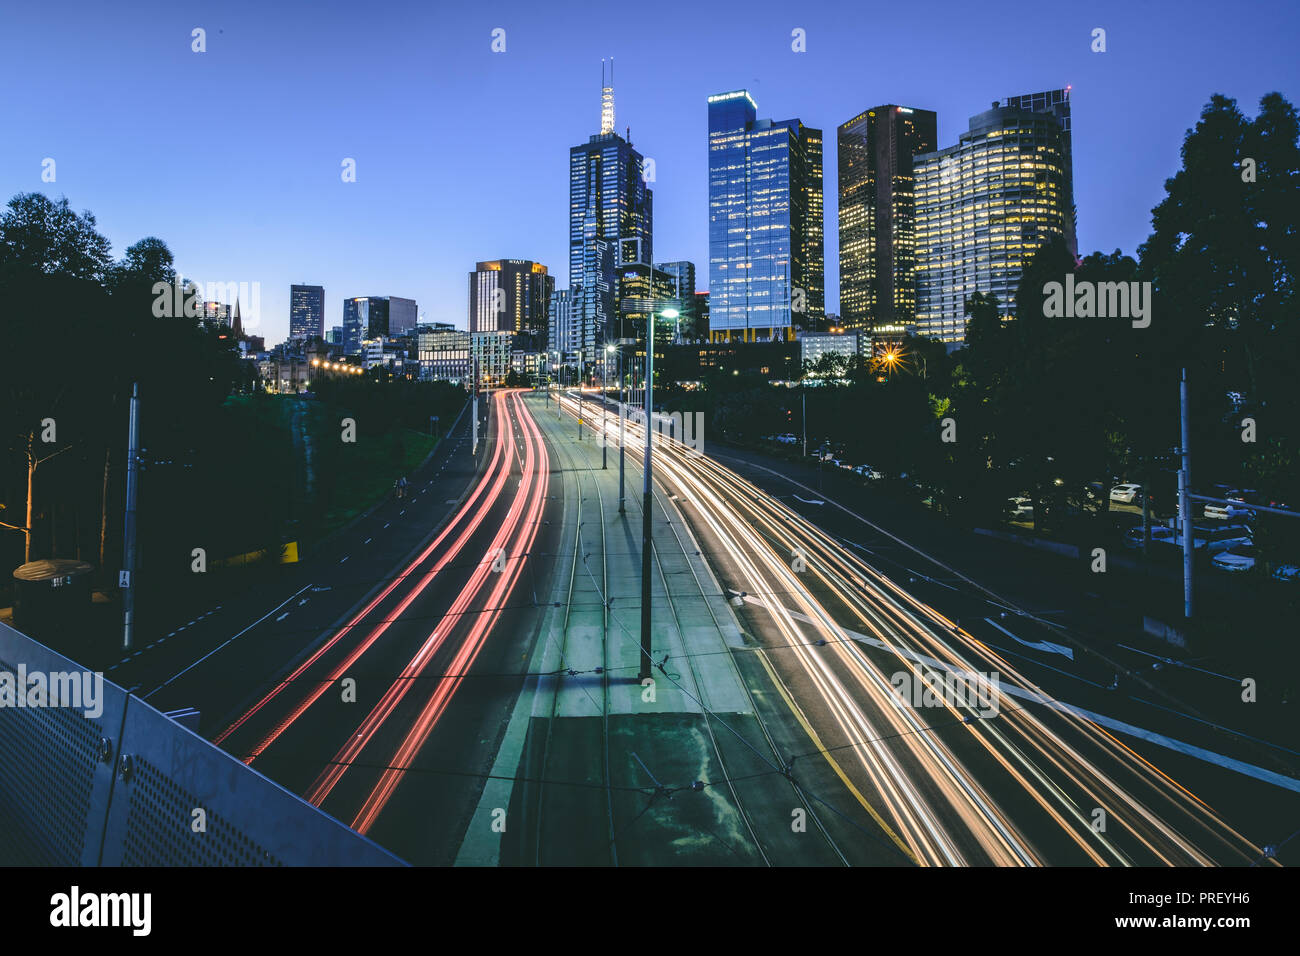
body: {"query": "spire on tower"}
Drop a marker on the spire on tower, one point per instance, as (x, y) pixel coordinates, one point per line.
(607, 98)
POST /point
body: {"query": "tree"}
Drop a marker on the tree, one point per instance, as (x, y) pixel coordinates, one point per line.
(42, 236)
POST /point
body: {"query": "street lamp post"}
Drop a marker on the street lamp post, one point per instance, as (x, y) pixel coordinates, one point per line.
(647, 485)
(604, 415)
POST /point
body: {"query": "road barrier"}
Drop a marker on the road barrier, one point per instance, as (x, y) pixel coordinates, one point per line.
(93, 776)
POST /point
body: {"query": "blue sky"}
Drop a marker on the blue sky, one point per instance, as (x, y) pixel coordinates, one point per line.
(233, 156)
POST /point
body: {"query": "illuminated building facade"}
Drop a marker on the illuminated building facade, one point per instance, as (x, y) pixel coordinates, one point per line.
(877, 216)
(511, 295)
(1056, 103)
(983, 207)
(766, 257)
(306, 312)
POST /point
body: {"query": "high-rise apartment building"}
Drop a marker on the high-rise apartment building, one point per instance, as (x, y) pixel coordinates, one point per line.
(877, 216)
(610, 222)
(766, 260)
(306, 312)
(511, 295)
(983, 208)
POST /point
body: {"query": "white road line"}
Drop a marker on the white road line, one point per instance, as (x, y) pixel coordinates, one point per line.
(344, 558)
(806, 501)
(386, 523)
(1036, 645)
(282, 617)
(368, 540)
(220, 646)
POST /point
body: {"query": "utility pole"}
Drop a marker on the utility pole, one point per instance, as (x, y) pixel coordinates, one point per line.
(803, 396)
(128, 534)
(1184, 495)
(604, 415)
(647, 486)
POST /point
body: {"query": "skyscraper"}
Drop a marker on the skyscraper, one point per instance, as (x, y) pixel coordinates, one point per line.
(306, 312)
(766, 265)
(511, 295)
(610, 222)
(877, 216)
(983, 207)
(1056, 103)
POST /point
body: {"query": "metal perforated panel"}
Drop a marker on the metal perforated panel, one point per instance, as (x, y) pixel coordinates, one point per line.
(45, 796)
(161, 827)
(122, 789)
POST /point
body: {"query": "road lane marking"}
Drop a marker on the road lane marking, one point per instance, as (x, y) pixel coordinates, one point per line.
(1036, 645)
(220, 646)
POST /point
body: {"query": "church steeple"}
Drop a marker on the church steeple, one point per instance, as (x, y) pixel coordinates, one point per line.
(237, 330)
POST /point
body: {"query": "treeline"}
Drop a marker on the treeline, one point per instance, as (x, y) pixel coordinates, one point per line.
(77, 332)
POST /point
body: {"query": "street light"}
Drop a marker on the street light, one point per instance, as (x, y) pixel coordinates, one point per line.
(604, 412)
(646, 486)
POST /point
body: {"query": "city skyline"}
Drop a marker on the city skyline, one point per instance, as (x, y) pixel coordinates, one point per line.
(226, 217)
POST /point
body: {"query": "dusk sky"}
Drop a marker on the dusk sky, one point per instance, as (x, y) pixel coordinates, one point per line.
(233, 156)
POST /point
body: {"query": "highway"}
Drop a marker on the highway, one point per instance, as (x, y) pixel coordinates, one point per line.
(998, 773)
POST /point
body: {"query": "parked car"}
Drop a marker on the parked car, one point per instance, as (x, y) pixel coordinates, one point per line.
(1021, 507)
(1237, 560)
(1233, 509)
(787, 439)
(1287, 572)
(866, 471)
(1126, 494)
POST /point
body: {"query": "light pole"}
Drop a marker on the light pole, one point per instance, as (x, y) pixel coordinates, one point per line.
(647, 485)
(622, 422)
(579, 394)
(604, 414)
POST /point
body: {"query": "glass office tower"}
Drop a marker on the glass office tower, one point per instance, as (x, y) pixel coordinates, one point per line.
(766, 261)
(306, 312)
(877, 216)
